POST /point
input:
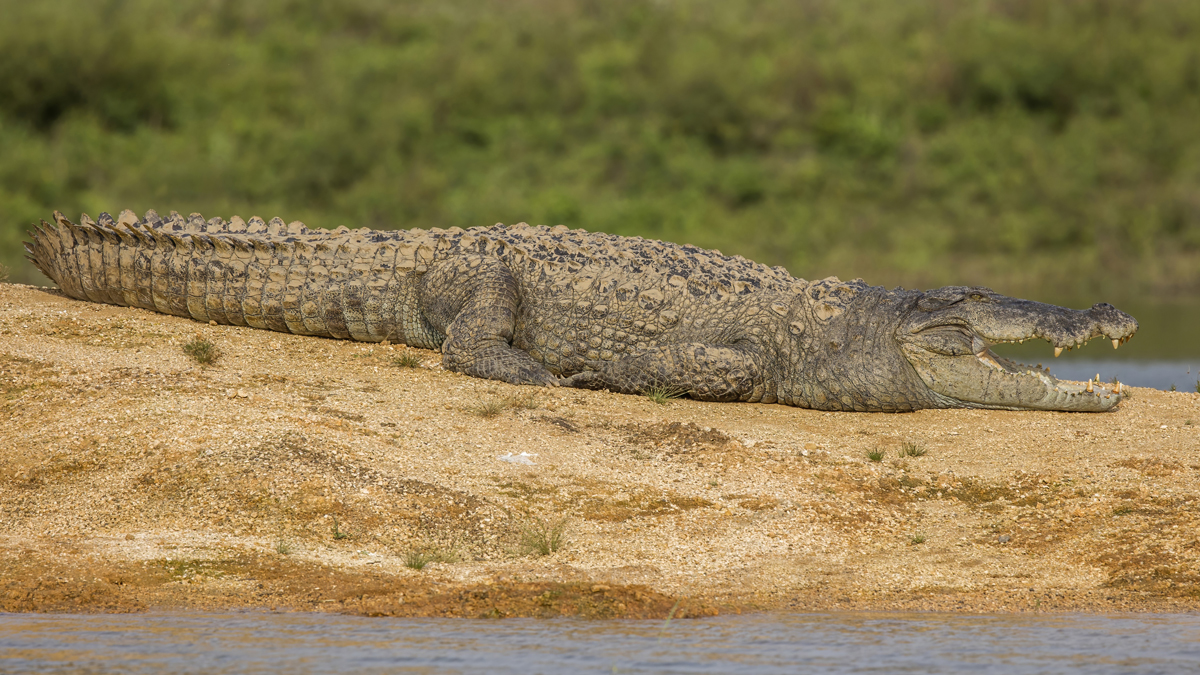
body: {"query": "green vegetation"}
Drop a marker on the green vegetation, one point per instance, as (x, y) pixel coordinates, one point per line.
(663, 395)
(283, 547)
(1041, 148)
(418, 558)
(875, 455)
(337, 533)
(917, 539)
(408, 360)
(909, 449)
(541, 536)
(202, 351)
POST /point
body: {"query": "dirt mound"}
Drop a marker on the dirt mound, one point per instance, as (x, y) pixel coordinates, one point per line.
(323, 474)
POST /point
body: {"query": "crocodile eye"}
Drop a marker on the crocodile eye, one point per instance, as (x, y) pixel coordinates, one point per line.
(976, 296)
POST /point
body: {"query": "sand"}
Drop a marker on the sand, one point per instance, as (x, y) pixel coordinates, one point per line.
(299, 473)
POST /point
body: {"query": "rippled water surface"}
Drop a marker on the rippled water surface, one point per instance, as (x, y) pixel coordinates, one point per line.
(825, 643)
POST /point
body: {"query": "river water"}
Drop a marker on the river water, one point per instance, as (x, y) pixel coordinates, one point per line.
(1164, 353)
(849, 642)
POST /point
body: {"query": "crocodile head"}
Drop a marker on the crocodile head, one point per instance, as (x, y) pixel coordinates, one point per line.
(947, 334)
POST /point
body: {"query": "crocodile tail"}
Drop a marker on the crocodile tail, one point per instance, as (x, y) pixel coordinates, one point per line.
(38, 252)
(249, 273)
(62, 251)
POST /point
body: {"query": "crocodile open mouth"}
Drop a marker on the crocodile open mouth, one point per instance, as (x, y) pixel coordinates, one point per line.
(957, 363)
(948, 336)
(1016, 369)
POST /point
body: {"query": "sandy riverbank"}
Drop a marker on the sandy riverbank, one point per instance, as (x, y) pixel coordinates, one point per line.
(131, 477)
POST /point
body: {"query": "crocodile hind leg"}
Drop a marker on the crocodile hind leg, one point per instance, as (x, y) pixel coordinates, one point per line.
(702, 371)
(473, 300)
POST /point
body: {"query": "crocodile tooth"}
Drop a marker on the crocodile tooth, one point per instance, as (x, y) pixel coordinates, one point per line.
(1117, 389)
(1116, 343)
(1057, 351)
(1089, 386)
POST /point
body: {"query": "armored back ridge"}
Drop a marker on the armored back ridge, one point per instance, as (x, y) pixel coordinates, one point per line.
(553, 306)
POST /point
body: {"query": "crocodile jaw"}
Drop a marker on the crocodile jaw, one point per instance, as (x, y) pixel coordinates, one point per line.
(947, 342)
(986, 380)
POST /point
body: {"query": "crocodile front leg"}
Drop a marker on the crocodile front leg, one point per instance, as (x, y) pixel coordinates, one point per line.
(473, 300)
(702, 371)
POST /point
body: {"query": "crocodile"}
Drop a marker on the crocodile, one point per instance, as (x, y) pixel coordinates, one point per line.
(561, 307)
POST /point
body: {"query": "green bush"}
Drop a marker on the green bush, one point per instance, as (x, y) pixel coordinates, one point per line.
(1027, 146)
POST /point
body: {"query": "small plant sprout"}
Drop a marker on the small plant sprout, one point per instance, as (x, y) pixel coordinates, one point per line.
(1173, 387)
(283, 547)
(663, 395)
(202, 351)
(875, 455)
(912, 450)
(541, 536)
(338, 534)
(917, 539)
(4, 272)
(407, 360)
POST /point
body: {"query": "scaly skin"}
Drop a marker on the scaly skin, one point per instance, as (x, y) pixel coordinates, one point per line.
(552, 306)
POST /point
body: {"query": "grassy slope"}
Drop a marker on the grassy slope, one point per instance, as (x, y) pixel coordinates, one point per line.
(1024, 145)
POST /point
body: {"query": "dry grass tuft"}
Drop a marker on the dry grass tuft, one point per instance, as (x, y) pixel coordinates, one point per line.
(493, 406)
(489, 407)
(530, 400)
(644, 503)
(1150, 466)
(418, 558)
